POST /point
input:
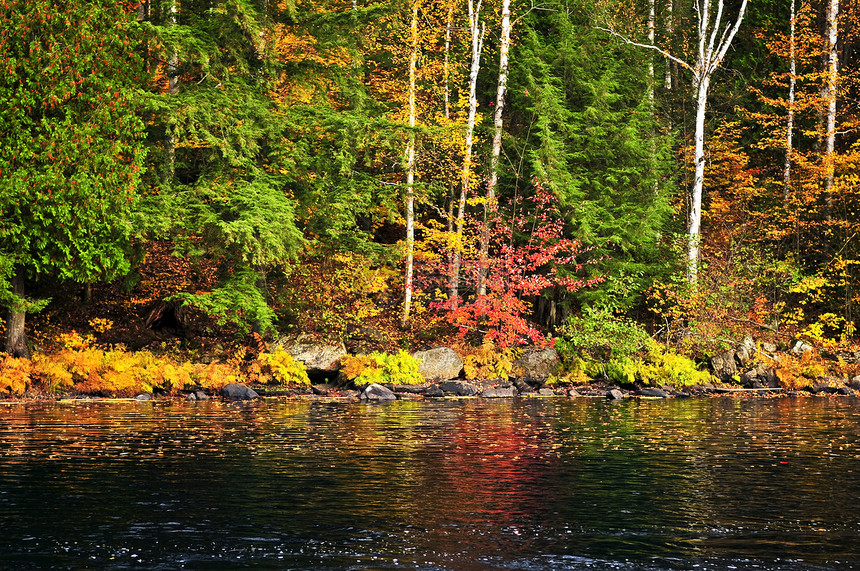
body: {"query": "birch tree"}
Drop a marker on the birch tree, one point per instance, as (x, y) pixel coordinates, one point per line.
(476, 28)
(504, 47)
(410, 167)
(792, 86)
(714, 37)
(832, 35)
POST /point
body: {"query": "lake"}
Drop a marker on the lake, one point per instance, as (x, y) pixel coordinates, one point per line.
(533, 484)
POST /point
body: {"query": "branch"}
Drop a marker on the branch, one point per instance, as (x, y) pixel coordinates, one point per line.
(657, 49)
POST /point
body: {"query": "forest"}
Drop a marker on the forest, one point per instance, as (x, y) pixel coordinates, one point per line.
(628, 181)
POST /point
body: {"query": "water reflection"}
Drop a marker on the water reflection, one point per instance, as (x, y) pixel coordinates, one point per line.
(470, 484)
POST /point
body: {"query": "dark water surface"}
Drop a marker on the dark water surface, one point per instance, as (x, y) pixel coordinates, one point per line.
(467, 484)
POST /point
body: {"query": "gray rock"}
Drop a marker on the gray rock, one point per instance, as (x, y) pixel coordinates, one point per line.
(458, 388)
(724, 366)
(377, 392)
(768, 347)
(799, 348)
(546, 392)
(855, 383)
(573, 393)
(143, 396)
(652, 392)
(537, 364)
(439, 364)
(434, 391)
(318, 357)
(498, 392)
(238, 391)
(197, 395)
(745, 351)
(614, 394)
(845, 391)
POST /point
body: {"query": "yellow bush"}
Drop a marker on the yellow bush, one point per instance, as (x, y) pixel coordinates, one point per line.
(215, 375)
(284, 368)
(799, 372)
(52, 374)
(14, 374)
(487, 362)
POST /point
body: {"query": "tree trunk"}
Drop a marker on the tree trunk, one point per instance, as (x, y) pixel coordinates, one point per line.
(410, 169)
(667, 77)
(498, 123)
(830, 100)
(477, 29)
(16, 338)
(789, 127)
(172, 89)
(695, 221)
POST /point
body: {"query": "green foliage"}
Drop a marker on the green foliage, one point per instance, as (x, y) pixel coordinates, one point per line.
(284, 368)
(662, 365)
(400, 368)
(71, 153)
(600, 335)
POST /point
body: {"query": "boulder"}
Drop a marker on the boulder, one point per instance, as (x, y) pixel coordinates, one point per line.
(652, 392)
(377, 392)
(458, 388)
(546, 393)
(197, 395)
(745, 351)
(573, 393)
(498, 392)
(143, 396)
(724, 366)
(614, 394)
(434, 391)
(537, 365)
(799, 348)
(439, 364)
(318, 357)
(855, 383)
(238, 391)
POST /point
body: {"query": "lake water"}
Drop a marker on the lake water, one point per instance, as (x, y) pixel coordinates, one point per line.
(533, 484)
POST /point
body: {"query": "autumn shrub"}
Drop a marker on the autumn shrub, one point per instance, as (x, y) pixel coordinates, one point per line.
(662, 365)
(283, 368)
(489, 362)
(14, 374)
(215, 375)
(400, 368)
(800, 372)
(600, 335)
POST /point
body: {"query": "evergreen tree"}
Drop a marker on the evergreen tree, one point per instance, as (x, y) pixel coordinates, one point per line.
(71, 152)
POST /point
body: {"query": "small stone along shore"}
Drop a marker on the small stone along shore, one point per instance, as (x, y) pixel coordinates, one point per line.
(515, 388)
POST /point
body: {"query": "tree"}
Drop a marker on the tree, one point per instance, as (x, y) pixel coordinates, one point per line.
(714, 39)
(71, 153)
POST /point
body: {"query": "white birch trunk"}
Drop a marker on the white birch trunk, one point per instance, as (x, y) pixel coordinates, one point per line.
(830, 99)
(410, 170)
(477, 29)
(789, 127)
(667, 77)
(652, 15)
(695, 221)
(172, 89)
(498, 123)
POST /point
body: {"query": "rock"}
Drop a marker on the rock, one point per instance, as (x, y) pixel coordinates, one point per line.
(143, 396)
(614, 394)
(745, 351)
(498, 392)
(573, 393)
(680, 394)
(724, 366)
(238, 391)
(323, 389)
(439, 364)
(799, 348)
(197, 395)
(410, 389)
(768, 347)
(522, 386)
(537, 365)
(318, 357)
(433, 391)
(546, 393)
(652, 392)
(855, 383)
(845, 391)
(458, 388)
(377, 392)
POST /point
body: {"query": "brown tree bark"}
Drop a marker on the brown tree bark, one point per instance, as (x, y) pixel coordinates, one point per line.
(16, 338)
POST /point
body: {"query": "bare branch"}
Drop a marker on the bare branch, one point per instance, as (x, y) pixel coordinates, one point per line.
(657, 49)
